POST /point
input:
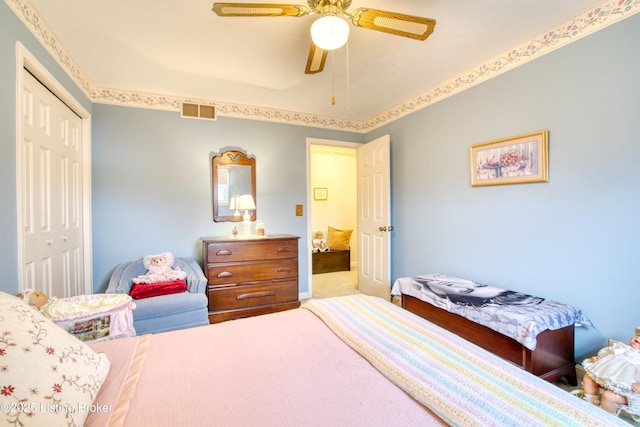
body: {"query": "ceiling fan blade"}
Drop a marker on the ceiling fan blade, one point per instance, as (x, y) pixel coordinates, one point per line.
(316, 60)
(414, 27)
(259, 9)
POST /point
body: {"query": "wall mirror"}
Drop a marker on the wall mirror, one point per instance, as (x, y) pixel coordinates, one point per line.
(234, 186)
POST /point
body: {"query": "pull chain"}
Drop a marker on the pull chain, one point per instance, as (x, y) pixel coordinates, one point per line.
(333, 81)
(348, 80)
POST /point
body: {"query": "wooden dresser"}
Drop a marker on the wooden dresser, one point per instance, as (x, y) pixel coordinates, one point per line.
(248, 276)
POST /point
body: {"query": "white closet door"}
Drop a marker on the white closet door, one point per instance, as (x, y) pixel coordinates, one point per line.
(51, 193)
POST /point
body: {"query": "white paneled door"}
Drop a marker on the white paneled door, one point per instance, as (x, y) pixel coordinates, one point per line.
(50, 180)
(374, 216)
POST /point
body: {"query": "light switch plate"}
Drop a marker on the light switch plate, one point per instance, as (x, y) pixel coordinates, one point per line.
(298, 210)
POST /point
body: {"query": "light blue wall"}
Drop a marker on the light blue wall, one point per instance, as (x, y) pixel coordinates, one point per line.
(12, 30)
(152, 182)
(574, 239)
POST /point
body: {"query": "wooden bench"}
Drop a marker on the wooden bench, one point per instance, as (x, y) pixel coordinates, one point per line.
(552, 359)
(328, 262)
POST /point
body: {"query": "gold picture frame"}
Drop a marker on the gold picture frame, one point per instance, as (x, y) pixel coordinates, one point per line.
(515, 160)
(320, 193)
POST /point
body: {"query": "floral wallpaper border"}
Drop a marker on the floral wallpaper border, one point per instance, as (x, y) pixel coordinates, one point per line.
(604, 14)
(333, 150)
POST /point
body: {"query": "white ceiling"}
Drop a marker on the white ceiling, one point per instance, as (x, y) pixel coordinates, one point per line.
(181, 48)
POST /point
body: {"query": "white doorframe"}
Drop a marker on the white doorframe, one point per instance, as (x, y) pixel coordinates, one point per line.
(310, 142)
(26, 60)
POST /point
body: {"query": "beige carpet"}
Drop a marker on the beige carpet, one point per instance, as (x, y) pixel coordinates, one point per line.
(335, 284)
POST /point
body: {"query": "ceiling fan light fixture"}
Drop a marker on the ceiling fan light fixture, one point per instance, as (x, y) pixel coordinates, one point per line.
(330, 32)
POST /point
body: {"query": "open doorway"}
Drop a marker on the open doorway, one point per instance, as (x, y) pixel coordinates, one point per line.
(332, 189)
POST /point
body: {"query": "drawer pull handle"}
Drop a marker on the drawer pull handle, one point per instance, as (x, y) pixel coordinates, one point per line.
(224, 252)
(225, 274)
(284, 270)
(280, 250)
(256, 295)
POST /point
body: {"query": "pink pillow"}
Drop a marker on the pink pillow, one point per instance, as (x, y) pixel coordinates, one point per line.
(148, 290)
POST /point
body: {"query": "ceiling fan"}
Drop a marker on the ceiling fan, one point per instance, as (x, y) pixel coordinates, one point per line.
(331, 30)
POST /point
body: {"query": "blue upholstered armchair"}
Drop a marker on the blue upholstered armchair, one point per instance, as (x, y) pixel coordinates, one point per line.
(166, 312)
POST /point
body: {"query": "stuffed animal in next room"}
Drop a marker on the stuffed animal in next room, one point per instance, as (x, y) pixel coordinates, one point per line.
(319, 244)
(160, 269)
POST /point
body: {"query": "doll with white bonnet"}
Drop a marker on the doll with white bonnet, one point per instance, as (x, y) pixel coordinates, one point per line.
(616, 369)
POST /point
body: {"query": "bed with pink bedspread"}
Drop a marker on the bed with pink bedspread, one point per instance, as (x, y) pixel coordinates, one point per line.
(356, 361)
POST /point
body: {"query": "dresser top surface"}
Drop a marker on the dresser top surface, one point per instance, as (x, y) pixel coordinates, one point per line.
(240, 238)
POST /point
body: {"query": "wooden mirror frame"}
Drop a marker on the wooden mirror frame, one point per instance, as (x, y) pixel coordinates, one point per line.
(225, 160)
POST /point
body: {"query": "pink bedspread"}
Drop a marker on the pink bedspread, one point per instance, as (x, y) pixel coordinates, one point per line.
(282, 369)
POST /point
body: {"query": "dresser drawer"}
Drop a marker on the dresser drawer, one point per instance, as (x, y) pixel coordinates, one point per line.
(220, 274)
(250, 251)
(241, 296)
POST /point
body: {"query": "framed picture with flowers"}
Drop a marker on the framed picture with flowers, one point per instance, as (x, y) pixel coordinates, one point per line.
(515, 160)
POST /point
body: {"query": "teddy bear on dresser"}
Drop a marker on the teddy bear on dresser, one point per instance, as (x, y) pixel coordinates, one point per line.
(160, 269)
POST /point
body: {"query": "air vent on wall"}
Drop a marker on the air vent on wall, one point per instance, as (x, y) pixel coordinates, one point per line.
(198, 111)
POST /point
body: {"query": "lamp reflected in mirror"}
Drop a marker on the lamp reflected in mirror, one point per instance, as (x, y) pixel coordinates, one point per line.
(245, 203)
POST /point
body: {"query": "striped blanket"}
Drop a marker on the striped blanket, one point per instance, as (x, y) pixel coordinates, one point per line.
(460, 382)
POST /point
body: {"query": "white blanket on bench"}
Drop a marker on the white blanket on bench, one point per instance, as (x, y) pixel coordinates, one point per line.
(516, 315)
